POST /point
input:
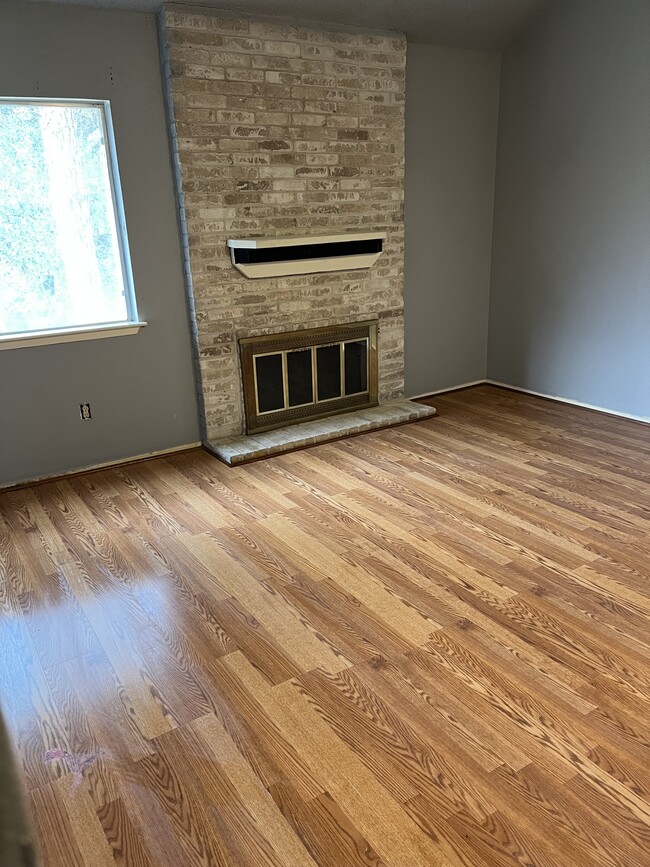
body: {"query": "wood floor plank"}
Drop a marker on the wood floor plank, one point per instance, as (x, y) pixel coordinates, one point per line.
(85, 825)
(301, 643)
(370, 807)
(287, 850)
(326, 832)
(125, 840)
(58, 844)
(365, 721)
(576, 833)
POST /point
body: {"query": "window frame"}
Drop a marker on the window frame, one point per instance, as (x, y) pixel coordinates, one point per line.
(72, 333)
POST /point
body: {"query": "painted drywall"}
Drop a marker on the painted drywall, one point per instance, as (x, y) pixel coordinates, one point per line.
(141, 387)
(451, 133)
(570, 292)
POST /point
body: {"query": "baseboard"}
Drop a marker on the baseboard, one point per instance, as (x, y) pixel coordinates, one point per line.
(40, 480)
(638, 418)
(448, 390)
(93, 468)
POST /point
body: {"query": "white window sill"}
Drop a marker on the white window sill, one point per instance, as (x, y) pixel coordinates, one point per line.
(68, 335)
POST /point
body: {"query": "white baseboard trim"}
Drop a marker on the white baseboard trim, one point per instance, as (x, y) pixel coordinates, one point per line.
(449, 388)
(116, 463)
(641, 418)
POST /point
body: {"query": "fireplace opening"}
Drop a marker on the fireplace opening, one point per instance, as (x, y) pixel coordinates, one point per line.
(302, 375)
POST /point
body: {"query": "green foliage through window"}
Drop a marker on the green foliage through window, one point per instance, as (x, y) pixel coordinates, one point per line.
(60, 261)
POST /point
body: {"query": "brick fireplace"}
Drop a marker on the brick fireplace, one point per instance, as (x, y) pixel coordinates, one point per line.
(280, 130)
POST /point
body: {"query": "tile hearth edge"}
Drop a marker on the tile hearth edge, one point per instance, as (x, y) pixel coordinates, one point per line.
(242, 449)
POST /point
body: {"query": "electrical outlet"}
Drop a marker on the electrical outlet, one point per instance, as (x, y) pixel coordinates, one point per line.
(84, 411)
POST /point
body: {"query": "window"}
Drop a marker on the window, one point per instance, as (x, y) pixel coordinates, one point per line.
(64, 263)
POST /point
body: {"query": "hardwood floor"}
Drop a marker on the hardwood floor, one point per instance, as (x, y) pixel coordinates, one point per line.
(423, 646)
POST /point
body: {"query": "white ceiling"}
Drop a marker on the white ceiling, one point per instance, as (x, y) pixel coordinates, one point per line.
(489, 24)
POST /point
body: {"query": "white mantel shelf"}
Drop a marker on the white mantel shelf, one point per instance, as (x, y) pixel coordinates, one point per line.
(343, 252)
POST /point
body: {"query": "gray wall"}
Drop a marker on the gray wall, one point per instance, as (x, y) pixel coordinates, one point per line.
(141, 387)
(451, 132)
(570, 294)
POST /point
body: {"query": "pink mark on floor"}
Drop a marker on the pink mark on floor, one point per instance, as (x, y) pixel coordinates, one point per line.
(77, 763)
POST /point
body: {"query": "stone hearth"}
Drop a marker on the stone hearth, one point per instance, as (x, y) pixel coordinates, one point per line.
(242, 449)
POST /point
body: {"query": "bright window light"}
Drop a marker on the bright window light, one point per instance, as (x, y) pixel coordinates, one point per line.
(63, 250)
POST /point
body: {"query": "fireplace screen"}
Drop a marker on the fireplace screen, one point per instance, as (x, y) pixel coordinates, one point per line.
(309, 374)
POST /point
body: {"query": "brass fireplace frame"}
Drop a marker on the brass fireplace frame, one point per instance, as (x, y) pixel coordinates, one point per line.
(282, 344)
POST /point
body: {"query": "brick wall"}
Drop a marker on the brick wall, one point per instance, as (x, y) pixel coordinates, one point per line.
(283, 130)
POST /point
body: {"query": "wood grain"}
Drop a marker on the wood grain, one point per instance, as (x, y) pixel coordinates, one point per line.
(427, 645)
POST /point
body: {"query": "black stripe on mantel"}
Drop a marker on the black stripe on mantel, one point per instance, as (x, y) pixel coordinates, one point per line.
(247, 256)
